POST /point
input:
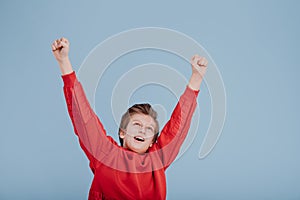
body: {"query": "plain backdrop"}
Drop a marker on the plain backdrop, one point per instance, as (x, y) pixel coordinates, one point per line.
(255, 45)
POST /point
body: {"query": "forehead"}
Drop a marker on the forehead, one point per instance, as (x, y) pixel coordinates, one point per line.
(145, 119)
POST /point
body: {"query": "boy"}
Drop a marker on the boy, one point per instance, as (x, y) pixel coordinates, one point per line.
(136, 169)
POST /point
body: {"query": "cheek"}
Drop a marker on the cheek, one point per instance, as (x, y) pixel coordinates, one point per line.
(149, 141)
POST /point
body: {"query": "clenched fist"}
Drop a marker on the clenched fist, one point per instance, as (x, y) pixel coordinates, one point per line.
(199, 66)
(60, 49)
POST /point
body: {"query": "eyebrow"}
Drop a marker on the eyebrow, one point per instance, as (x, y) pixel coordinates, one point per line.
(136, 120)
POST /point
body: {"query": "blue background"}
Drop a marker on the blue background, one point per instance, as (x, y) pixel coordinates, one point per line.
(255, 45)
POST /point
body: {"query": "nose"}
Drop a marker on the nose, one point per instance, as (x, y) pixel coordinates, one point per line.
(142, 130)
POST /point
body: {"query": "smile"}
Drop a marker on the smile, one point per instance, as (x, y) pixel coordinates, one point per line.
(139, 138)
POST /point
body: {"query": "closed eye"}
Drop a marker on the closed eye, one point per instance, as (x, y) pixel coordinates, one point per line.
(150, 128)
(136, 124)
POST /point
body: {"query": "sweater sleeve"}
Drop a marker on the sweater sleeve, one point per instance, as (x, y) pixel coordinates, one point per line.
(175, 131)
(87, 126)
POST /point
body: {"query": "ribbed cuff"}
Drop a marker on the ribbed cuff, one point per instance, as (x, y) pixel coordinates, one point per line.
(192, 92)
(69, 79)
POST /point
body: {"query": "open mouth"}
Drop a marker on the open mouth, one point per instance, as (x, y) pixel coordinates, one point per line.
(139, 138)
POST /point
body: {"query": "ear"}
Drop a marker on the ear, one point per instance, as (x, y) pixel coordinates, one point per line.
(151, 145)
(122, 134)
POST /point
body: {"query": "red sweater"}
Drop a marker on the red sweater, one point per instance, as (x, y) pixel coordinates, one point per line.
(118, 172)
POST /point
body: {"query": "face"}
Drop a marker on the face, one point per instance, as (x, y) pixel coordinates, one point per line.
(139, 134)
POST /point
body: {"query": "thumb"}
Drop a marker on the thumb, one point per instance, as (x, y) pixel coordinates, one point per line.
(63, 44)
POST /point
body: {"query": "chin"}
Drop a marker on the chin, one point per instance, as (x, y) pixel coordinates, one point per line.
(137, 147)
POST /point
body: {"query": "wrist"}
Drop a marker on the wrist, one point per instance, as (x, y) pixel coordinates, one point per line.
(63, 61)
(65, 66)
(195, 81)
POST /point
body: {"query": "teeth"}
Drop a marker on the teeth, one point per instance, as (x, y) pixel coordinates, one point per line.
(139, 138)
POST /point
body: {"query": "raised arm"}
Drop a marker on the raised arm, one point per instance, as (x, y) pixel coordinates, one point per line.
(176, 129)
(87, 126)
